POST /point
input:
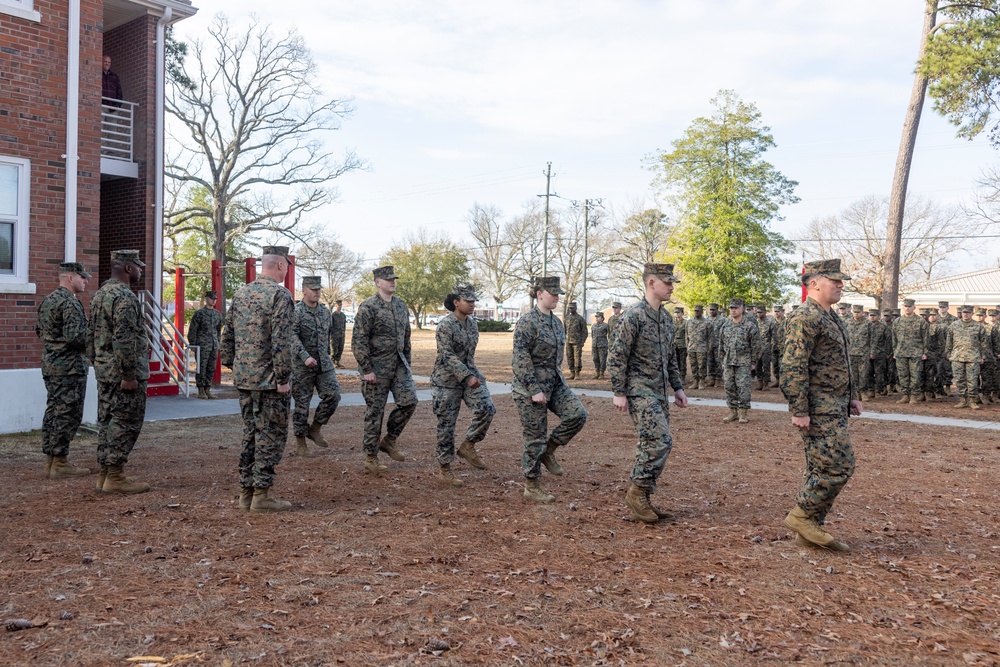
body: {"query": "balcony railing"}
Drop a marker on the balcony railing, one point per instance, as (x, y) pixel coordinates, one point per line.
(117, 123)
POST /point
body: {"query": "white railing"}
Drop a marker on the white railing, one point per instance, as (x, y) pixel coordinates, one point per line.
(168, 345)
(117, 124)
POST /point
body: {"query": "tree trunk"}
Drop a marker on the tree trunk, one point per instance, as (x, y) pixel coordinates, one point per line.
(901, 176)
(219, 250)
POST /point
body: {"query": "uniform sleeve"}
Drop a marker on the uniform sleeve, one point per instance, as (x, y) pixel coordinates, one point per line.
(756, 345)
(525, 335)
(282, 319)
(75, 326)
(298, 349)
(127, 329)
(951, 342)
(444, 336)
(360, 337)
(799, 342)
(407, 347)
(925, 330)
(674, 371)
(619, 352)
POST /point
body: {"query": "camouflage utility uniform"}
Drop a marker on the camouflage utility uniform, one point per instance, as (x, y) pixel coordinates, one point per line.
(698, 332)
(739, 345)
(910, 334)
(965, 350)
(338, 333)
(680, 345)
(454, 366)
(538, 350)
(311, 338)
(881, 344)
(121, 352)
(816, 381)
(576, 336)
(204, 330)
(599, 346)
(257, 345)
(381, 345)
(776, 349)
(762, 362)
(861, 335)
(63, 328)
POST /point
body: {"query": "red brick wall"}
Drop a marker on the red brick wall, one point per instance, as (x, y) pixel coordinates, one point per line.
(33, 58)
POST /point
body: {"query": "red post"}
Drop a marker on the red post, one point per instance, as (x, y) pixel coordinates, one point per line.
(179, 300)
(217, 282)
(290, 276)
(251, 263)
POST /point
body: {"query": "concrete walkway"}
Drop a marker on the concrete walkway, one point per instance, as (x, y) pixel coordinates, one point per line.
(165, 408)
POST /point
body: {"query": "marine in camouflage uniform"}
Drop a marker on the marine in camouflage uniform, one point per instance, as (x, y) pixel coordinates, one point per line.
(312, 367)
(861, 337)
(698, 332)
(910, 333)
(935, 350)
(994, 336)
(714, 360)
(576, 336)
(945, 320)
(966, 351)
(539, 387)
(338, 333)
(740, 344)
(892, 377)
(762, 362)
(779, 343)
(680, 342)
(616, 316)
(599, 344)
(257, 346)
(987, 373)
(816, 381)
(881, 345)
(63, 329)
(643, 366)
(121, 363)
(457, 380)
(204, 331)
(381, 346)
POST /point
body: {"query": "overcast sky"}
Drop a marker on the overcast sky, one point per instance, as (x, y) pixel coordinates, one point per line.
(460, 102)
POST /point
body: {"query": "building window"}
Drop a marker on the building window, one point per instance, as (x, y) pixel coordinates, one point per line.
(23, 8)
(14, 207)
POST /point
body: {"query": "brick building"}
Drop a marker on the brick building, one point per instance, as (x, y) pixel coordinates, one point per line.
(78, 177)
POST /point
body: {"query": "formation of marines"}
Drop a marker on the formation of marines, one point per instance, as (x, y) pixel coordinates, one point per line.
(278, 350)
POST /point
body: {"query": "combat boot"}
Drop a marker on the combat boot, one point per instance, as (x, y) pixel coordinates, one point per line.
(262, 502)
(549, 459)
(742, 413)
(962, 403)
(101, 476)
(208, 393)
(870, 396)
(467, 451)
(638, 505)
(246, 498)
(709, 383)
(972, 404)
(903, 399)
(374, 466)
(914, 400)
(733, 416)
(919, 397)
(315, 434)
(302, 447)
(201, 392)
(388, 445)
(48, 465)
(773, 385)
(533, 491)
(61, 468)
(447, 477)
(700, 385)
(117, 482)
(660, 514)
(799, 522)
(758, 385)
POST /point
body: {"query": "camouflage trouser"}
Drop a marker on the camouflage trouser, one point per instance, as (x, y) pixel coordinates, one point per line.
(600, 356)
(574, 356)
(651, 418)
(829, 464)
(776, 362)
(326, 386)
(877, 374)
(682, 362)
(447, 404)
(404, 395)
(859, 372)
(737, 382)
(206, 366)
(988, 376)
(944, 371)
(762, 365)
(966, 378)
(911, 375)
(891, 371)
(534, 424)
(338, 348)
(63, 412)
(930, 383)
(265, 429)
(119, 419)
(712, 364)
(698, 359)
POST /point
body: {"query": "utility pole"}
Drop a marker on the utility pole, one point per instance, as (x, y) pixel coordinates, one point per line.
(587, 204)
(545, 239)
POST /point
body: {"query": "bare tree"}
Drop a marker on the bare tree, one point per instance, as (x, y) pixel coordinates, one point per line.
(524, 232)
(253, 119)
(337, 264)
(570, 237)
(935, 237)
(495, 254)
(641, 235)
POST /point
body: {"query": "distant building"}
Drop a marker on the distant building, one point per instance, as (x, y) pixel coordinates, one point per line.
(977, 288)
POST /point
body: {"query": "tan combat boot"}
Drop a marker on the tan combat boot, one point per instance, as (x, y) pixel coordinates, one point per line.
(638, 505)
(870, 396)
(742, 412)
(733, 416)
(709, 383)
(533, 491)
(302, 447)
(467, 451)
(447, 477)
(660, 514)
(903, 399)
(263, 502)
(117, 482)
(246, 498)
(773, 385)
(700, 384)
(972, 404)
(61, 469)
(315, 434)
(48, 465)
(914, 400)
(208, 393)
(799, 522)
(549, 459)
(374, 466)
(962, 403)
(388, 445)
(101, 476)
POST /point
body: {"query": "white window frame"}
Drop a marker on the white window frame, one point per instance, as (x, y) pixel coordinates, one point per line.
(17, 282)
(22, 8)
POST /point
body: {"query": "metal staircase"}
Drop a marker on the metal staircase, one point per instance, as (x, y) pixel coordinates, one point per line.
(171, 358)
